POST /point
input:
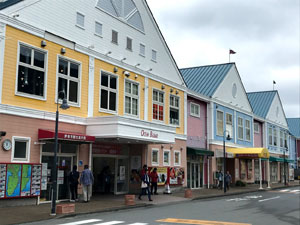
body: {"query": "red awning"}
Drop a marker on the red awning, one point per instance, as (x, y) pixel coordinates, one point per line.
(50, 135)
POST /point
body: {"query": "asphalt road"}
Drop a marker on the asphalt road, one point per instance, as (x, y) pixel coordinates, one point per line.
(276, 207)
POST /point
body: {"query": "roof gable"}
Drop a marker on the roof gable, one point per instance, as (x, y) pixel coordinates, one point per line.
(205, 79)
(294, 126)
(6, 3)
(261, 102)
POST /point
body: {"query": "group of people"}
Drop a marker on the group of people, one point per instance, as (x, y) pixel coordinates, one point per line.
(86, 180)
(149, 182)
(228, 180)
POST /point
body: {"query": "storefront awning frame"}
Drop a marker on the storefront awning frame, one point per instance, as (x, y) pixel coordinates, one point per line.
(251, 153)
(199, 151)
(49, 135)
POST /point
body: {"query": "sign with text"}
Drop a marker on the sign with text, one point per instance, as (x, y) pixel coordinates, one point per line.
(106, 149)
(149, 134)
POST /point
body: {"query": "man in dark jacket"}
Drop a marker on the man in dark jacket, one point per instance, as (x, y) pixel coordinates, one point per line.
(73, 181)
(145, 183)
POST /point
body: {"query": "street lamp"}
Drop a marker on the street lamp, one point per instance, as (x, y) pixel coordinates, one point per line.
(64, 105)
(224, 156)
(284, 167)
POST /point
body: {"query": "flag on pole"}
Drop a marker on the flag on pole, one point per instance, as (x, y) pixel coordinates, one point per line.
(274, 82)
(231, 51)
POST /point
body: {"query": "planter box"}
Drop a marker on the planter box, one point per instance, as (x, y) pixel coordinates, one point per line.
(129, 199)
(65, 208)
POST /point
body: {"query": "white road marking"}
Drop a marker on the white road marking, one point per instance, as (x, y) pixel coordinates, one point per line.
(245, 198)
(267, 199)
(285, 190)
(110, 223)
(295, 191)
(82, 222)
(138, 224)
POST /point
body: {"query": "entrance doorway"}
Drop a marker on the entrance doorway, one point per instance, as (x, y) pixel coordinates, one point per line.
(195, 174)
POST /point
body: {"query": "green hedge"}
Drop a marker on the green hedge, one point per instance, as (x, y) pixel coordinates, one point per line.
(240, 183)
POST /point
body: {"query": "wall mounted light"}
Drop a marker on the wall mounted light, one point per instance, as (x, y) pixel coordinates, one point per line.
(109, 52)
(43, 43)
(136, 76)
(62, 50)
(126, 73)
(176, 92)
(115, 69)
(137, 65)
(123, 59)
(162, 87)
(162, 146)
(181, 148)
(171, 90)
(150, 70)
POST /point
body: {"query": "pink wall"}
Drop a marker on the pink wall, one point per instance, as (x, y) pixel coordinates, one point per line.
(258, 137)
(197, 127)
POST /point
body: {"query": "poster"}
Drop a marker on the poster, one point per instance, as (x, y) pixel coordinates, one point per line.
(13, 180)
(136, 162)
(2, 180)
(162, 175)
(26, 180)
(176, 175)
(122, 172)
(60, 177)
(36, 180)
(44, 169)
(44, 176)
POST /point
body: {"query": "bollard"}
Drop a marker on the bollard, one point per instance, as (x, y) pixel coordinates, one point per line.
(188, 193)
(129, 199)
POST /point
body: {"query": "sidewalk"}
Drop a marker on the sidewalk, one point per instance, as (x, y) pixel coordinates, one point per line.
(99, 203)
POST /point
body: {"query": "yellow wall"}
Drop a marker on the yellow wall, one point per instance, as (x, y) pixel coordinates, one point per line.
(10, 70)
(103, 66)
(157, 85)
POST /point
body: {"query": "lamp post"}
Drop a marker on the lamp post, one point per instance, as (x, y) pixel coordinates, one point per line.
(64, 105)
(284, 167)
(224, 157)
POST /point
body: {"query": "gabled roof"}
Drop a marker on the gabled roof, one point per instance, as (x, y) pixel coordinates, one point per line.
(261, 102)
(7, 3)
(294, 126)
(205, 79)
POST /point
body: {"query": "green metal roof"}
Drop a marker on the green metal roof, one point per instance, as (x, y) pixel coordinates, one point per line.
(199, 151)
(261, 102)
(6, 3)
(294, 126)
(205, 79)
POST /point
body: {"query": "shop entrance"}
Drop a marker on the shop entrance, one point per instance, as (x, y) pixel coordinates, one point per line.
(111, 174)
(195, 174)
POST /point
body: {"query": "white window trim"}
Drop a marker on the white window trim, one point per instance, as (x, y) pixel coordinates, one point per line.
(96, 34)
(117, 94)
(275, 134)
(131, 96)
(256, 131)
(242, 126)
(112, 30)
(270, 135)
(79, 80)
(131, 50)
(217, 123)
(195, 105)
(155, 150)
(44, 98)
(28, 144)
(78, 25)
(249, 128)
(174, 125)
(169, 152)
(143, 55)
(177, 164)
(153, 60)
(157, 120)
(281, 139)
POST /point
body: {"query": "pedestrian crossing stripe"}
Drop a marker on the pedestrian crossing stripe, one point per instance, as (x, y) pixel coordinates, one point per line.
(110, 223)
(200, 222)
(82, 222)
(286, 190)
(97, 220)
(295, 191)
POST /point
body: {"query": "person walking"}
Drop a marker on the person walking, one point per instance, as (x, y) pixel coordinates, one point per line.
(87, 180)
(228, 180)
(220, 180)
(145, 183)
(73, 181)
(154, 179)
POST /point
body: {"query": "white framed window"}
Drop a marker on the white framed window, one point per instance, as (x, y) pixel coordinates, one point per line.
(108, 92)
(166, 158)
(274, 136)
(114, 37)
(158, 105)
(80, 19)
(194, 110)
(20, 149)
(247, 128)
(270, 136)
(131, 98)
(154, 55)
(286, 140)
(256, 127)
(155, 157)
(229, 124)
(177, 158)
(281, 139)
(98, 28)
(240, 128)
(129, 44)
(69, 79)
(220, 122)
(142, 50)
(174, 110)
(31, 75)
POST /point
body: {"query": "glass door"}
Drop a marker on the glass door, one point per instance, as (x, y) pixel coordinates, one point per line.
(65, 165)
(121, 178)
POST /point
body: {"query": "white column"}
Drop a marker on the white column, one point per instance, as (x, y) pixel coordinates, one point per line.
(208, 172)
(2, 47)
(146, 99)
(185, 113)
(90, 156)
(268, 165)
(91, 86)
(260, 174)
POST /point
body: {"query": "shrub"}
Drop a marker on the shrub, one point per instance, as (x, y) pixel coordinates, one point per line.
(240, 183)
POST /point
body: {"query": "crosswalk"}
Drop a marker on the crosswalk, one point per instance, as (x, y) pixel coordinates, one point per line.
(100, 222)
(295, 191)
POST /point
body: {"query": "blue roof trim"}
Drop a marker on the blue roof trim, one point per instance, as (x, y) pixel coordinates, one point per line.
(205, 79)
(294, 126)
(261, 102)
(8, 3)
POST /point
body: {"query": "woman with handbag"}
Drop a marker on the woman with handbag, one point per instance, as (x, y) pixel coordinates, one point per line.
(145, 186)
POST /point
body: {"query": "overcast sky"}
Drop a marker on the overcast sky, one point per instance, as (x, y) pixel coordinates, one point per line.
(263, 33)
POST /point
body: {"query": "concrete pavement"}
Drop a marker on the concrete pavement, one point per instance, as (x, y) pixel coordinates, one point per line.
(104, 203)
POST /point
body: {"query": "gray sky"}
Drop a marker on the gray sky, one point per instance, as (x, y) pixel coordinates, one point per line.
(263, 33)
